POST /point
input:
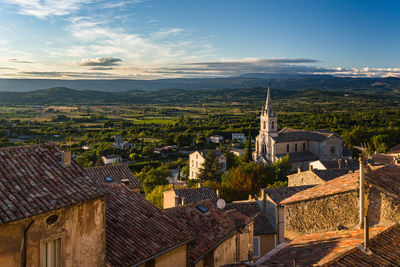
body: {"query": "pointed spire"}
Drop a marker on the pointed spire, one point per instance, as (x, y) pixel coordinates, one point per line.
(268, 103)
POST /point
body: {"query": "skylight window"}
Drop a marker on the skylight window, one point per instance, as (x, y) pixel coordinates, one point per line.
(109, 179)
(202, 209)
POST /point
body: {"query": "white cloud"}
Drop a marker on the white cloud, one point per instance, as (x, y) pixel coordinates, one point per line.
(45, 8)
(166, 33)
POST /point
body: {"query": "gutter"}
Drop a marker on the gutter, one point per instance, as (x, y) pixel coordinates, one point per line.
(23, 254)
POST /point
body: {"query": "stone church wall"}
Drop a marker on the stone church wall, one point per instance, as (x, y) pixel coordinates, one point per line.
(322, 214)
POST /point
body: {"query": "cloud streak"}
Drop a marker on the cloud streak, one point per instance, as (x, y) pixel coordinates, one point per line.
(101, 61)
(47, 8)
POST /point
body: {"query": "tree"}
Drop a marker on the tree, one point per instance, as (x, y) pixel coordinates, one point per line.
(248, 157)
(157, 195)
(151, 177)
(210, 170)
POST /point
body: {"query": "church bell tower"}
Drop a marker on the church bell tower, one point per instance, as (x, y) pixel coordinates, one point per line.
(268, 128)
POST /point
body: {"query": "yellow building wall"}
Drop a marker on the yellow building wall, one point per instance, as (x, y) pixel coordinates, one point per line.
(81, 228)
(176, 257)
(266, 243)
(225, 253)
(169, 199)
(199, 264)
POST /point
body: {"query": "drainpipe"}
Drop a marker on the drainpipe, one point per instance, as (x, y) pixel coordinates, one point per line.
(366, 234)
(23, 260)
(362, 190)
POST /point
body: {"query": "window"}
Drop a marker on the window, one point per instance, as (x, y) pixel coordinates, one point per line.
(197, 165)
(202, 208)
(295, 147)
(304, 146)
(52, 253)
(256, 246)
(272, 125)
(333, 150)
(287, 148)
(264, 125)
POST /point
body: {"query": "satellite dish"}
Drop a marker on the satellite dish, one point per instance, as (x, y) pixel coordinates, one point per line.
(221, 204)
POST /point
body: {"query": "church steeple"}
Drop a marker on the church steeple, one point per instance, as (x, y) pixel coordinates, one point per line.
(268, 102)
(269, 121)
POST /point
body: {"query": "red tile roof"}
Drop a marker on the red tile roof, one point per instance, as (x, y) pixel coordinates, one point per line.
(385, 250)
(251, 209)
(196, 194)
(118, 173)
(137, 230)
(210, 228)
(280, 193)
(320, 248)
(345, 183)
(34, 181)
(394, 150)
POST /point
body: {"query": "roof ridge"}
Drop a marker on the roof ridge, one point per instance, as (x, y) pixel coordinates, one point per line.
(46, 145)
(107, 166)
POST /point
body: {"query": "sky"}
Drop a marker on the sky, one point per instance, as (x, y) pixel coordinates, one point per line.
(151, 39)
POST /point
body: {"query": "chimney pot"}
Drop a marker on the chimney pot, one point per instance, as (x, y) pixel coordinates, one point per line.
(217, 192)
(298, 169)
(66, 157)
(310, 167)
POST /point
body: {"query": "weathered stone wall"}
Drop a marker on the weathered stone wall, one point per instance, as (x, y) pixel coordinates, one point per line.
(333, 148)
(303, 178)
(281, 148)
(80, 227)
(382, 209)
(321, 214)
(267, 243)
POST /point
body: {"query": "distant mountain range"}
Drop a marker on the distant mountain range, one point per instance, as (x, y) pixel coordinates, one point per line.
(252, 80)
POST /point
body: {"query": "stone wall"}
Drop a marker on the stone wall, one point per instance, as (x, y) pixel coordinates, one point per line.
(169, 199)
(382, 209)
(80, 227)
(322, 214)
(175, 257)
(304, 178)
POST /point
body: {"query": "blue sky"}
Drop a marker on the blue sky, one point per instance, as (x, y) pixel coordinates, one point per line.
(148, 39)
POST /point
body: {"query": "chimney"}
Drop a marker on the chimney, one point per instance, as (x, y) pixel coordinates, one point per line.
(218, 193)
(346, 163)
(250, 197)
(264, 202)
(66, 157)
(340, 163)
(183, 201)
(199, 185)
(176, 201)
(361, 194)
(298, 169)
(310, 167)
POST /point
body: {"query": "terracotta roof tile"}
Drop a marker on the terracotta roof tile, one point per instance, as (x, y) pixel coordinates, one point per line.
(351, 164)
(280, 193)
(252, 209)
(34, 181)
(327, 175)
(394, 149)
(380, 159)
(210, 228)
(319, 248)
(118, 173)
(196, 194)
(137, 230)
(385, 250)
(345, 183)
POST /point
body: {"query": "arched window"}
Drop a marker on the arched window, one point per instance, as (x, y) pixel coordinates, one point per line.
(272, 125)
(295, 147)
(287, 148)
(264, 125)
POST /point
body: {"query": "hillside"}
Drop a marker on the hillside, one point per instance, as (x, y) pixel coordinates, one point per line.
(246, 81)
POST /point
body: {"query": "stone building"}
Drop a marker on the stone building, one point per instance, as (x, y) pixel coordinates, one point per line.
(349, 164)
(220, 237)
(302, 146)
(110, 159)
(49, 209)
(263, 231)
(183, 196)
(314, 176)
(275, 211)
(339, 248)
(197, 158)
(335, 204)
(115, 174)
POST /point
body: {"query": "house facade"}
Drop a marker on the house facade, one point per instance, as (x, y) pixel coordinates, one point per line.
(197, 159)
(50, 210)
(302, 146)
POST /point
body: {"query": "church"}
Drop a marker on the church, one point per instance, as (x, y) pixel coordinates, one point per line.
(302, 146)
